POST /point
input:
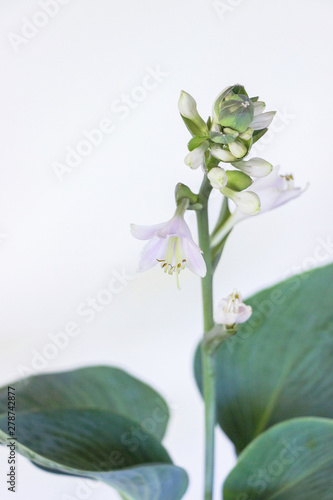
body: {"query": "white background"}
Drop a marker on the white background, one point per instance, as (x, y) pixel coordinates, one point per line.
(61, 242)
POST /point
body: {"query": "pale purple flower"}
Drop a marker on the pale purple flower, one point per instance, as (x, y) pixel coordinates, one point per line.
(231, 310)
(170, 244)
(273, 191)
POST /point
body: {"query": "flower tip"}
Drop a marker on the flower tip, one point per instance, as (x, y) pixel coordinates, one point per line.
(247, 202)
(187, 106)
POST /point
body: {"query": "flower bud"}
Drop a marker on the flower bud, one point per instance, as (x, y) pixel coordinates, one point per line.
(237, 113)
(256, 167)
(217, 177)
(246, 136)
(196, 157)
(247, 202)
(222, 154)
(238, 149)
(188, 110)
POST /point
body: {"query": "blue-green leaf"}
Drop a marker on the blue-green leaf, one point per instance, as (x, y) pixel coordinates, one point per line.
(292, 460)
(279, 364)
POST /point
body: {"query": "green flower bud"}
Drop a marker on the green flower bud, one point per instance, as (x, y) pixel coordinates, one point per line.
(238, 149)
(237, 113)
(226, 95)
(222, 154)
(247, 135)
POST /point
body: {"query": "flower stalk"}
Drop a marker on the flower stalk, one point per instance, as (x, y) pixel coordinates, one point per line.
(208, 359)
(253, 185)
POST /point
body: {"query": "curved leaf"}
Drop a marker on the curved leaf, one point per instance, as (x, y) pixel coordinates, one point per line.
(292, 460)
(95, 387)
(279, 364)
(100, 445)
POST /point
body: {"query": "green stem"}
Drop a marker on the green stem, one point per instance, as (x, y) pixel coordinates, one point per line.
(208, 361)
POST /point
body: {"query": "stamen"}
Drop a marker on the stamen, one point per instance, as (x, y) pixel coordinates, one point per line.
(173, 262)
(288, 182)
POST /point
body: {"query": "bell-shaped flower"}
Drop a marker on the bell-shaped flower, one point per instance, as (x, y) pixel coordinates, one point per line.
(273, 191)
(232, 311)
(171, 245)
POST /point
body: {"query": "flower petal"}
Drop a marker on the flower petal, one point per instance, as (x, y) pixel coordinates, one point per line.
(262, 121)
(244, 312)
(146, 232)
(153, 250)
(259, 107)
(176, 227)
(194, 258)
(272, 198)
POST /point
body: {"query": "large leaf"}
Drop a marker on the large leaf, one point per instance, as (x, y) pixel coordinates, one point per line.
(96, 387)
(279, 364)
(292, 460)
(100, 445)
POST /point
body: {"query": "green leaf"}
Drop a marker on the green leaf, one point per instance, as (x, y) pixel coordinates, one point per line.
(96, 387)
(238, 181)
(195, 142)
(101, 445)
(292, 460)
(279, 364)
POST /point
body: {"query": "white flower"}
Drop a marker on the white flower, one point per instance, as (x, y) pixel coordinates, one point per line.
(261, 120)
(231, 310)
(273, 191)
(171, 244)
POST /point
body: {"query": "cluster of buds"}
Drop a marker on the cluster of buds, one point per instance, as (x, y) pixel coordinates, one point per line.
(237, 122)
